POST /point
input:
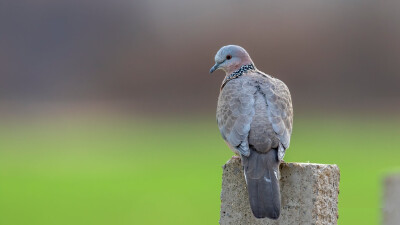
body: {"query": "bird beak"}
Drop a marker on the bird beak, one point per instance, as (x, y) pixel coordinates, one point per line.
(215, 67)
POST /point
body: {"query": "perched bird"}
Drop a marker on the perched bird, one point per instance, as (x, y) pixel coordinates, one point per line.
(255, 117)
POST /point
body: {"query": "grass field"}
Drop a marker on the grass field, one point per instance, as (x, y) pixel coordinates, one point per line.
(169, 171)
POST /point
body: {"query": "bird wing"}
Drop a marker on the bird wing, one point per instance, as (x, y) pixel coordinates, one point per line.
(279, 110)
(235, 112)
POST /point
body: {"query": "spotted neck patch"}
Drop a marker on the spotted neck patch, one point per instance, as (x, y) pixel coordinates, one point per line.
(237, 73)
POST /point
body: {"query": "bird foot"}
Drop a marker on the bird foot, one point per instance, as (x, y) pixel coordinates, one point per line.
(235, 157)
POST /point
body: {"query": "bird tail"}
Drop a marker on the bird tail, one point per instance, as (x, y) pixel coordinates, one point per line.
(261, 173)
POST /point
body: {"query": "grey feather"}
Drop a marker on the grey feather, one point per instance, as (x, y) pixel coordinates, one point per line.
(261, 174)
(255, 109)
(235, 112)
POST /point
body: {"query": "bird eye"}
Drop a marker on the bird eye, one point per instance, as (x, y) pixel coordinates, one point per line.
(228, 57)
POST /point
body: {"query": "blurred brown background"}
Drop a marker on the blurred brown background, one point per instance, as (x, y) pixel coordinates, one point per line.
(154, 56)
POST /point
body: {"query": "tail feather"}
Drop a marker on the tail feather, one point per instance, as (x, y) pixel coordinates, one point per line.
(261, 173)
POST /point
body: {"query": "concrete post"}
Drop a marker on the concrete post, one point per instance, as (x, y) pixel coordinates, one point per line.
(391, 209)
(309, 195)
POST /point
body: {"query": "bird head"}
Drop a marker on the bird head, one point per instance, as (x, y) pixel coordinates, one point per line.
(230, 58)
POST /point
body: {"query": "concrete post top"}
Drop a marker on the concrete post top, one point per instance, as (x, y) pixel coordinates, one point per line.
(237, 160)
(391, 199)
(309, 194)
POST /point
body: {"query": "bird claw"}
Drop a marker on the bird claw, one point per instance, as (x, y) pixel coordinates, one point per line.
(235, 157)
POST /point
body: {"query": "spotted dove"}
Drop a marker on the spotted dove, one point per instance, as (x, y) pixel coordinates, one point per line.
(254, 116)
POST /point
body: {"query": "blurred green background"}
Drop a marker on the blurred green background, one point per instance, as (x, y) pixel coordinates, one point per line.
(169, 171)
(107, 110)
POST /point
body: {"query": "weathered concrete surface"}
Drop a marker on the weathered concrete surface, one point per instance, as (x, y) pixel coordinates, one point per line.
(391, 209)
(309, 195)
